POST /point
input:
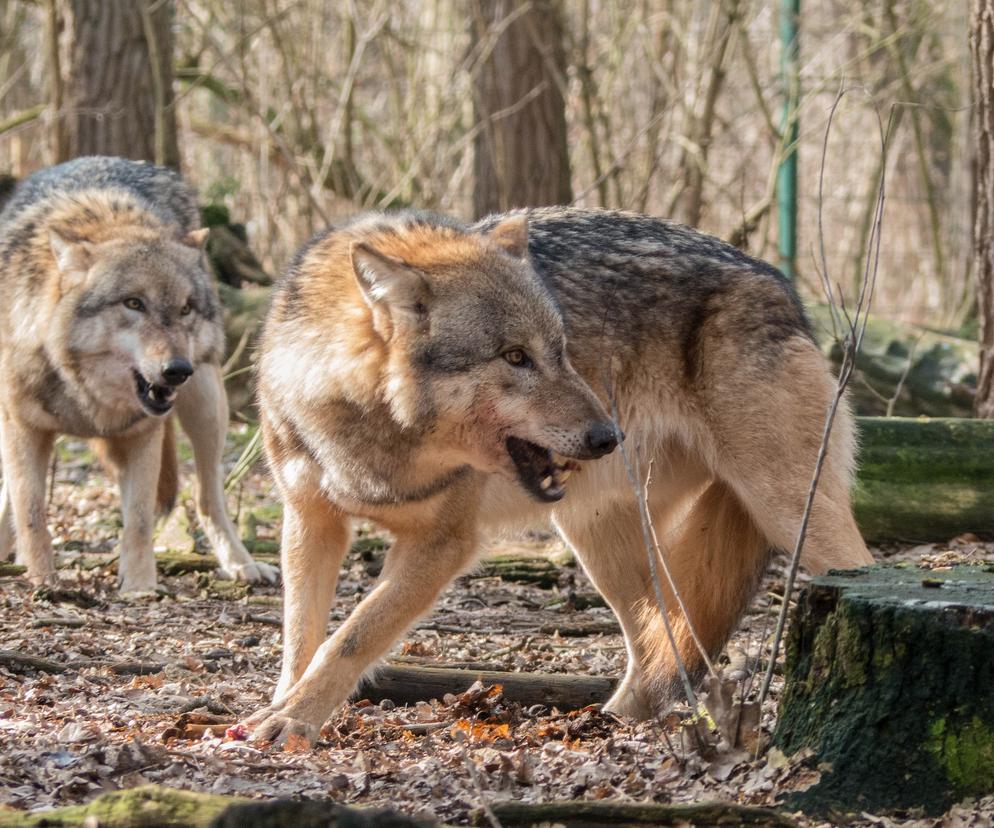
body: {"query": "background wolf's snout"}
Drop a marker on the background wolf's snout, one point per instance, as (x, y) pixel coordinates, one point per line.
(602, 439)
(177, 371)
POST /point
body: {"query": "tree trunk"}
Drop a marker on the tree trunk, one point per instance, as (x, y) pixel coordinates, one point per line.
(888, 680)
(982, 60)
(521, 156)
(119, 98)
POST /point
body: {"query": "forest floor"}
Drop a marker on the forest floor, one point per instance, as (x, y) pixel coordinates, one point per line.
(66, 737)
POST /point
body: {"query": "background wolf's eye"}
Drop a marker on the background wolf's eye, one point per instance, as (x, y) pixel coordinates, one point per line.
(134, 303)
(186, 309)
(518, 358)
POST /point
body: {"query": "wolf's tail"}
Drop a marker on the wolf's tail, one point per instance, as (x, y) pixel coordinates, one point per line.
(168, 488)
(716, 556)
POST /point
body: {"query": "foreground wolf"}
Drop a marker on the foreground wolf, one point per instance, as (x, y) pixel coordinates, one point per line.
(444, 381)
(109, 321)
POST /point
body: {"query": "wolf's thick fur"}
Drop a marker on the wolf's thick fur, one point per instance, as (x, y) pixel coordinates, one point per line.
(406, 361)
(109, 320)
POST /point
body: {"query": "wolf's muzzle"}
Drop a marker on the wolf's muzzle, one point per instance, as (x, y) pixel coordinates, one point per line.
(602, 438)
(177, 371)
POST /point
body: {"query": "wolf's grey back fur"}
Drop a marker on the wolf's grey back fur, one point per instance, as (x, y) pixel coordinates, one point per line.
(161, 190)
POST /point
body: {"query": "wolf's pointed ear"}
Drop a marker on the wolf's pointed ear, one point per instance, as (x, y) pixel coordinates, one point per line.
(196, 238)
(389, 284)
(512, 235)
(72, 257)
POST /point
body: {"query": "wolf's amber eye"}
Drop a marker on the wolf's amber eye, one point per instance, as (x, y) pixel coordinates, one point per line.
(517, 358)
(134, 303)
(186, 310)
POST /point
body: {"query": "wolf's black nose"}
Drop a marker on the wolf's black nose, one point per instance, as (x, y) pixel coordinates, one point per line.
(602, 439)
(177, 371)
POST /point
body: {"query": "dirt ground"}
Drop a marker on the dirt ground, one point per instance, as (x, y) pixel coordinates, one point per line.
(66, 737)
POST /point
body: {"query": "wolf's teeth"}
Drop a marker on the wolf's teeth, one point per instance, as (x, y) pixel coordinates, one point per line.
(546, 482)
(563, 474)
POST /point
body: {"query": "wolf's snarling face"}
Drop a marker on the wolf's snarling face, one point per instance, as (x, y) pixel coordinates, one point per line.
(485, 358)
(135, 319)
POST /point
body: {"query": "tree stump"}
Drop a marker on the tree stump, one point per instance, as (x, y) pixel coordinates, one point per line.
(890, 681)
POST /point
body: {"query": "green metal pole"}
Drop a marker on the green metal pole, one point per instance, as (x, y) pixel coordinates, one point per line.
(790, 11)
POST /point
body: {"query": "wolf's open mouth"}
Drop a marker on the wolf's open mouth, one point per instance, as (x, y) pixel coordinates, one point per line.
(538, 472)
(155, 399)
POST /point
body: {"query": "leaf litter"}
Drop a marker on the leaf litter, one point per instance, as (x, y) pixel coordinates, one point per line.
(154, 688)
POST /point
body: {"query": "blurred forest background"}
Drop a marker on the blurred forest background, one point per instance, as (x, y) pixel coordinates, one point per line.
(296, 113)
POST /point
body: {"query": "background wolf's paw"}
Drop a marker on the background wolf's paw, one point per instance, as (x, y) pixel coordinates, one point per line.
(281, 731)
(138, 587)
(252, 573)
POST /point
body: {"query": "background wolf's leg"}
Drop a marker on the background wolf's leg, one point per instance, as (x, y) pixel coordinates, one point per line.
(315, 538)
(25, 454)
(203, 412)
(137, 459)
(420, 564)
(7, 536)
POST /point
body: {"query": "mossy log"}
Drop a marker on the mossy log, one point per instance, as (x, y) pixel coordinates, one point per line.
(890, 681)
(409, 685)
(924, 479)
(921, 370)
(153, 806)
(606, 812)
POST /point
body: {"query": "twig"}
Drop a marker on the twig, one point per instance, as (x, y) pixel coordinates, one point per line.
(856, 327)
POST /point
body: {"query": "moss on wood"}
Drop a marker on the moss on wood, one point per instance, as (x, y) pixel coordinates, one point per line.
(889, 679)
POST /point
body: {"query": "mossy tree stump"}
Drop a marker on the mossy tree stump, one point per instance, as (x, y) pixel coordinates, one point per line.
(890, 680)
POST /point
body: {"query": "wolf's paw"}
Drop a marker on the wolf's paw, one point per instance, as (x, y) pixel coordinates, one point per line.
(138, 587)
(628, 703)
(43, 577)
(280, 730)
(252, 573)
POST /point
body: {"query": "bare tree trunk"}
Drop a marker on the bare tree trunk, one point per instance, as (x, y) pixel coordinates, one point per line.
(521, 155)
(982, 60)
(119, 96)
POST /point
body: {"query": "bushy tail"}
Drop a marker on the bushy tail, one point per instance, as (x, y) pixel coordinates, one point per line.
(111, 454)
(716, 556)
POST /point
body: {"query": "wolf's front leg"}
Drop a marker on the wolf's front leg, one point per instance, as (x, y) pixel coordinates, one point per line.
(140, 458)
(419, 565)
(203, 412)
(25, 454)
(315, 538)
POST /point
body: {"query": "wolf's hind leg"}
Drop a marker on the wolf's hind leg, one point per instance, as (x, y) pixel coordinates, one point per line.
(7, 536)
(422, 561)
(25, 454)
(314, 541)
(203, 412)
(714, 556)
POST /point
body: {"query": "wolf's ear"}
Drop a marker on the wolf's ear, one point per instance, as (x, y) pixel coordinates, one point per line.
(72, 257)
(196, 238)
(389, 284)
(512, 235)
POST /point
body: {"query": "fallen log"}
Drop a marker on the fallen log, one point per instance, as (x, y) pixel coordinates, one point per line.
(889, 676)
(582, 812)
(154, 805)
(924, 479)
(408, 685)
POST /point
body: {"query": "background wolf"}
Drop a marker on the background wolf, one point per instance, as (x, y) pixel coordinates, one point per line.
(110, 320)
(445, 380)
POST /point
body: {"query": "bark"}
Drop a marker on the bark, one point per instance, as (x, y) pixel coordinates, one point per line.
(982, 61)
(521, 155)
(585, 812)
(408, 685)
(888, 678)
(119, 98)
